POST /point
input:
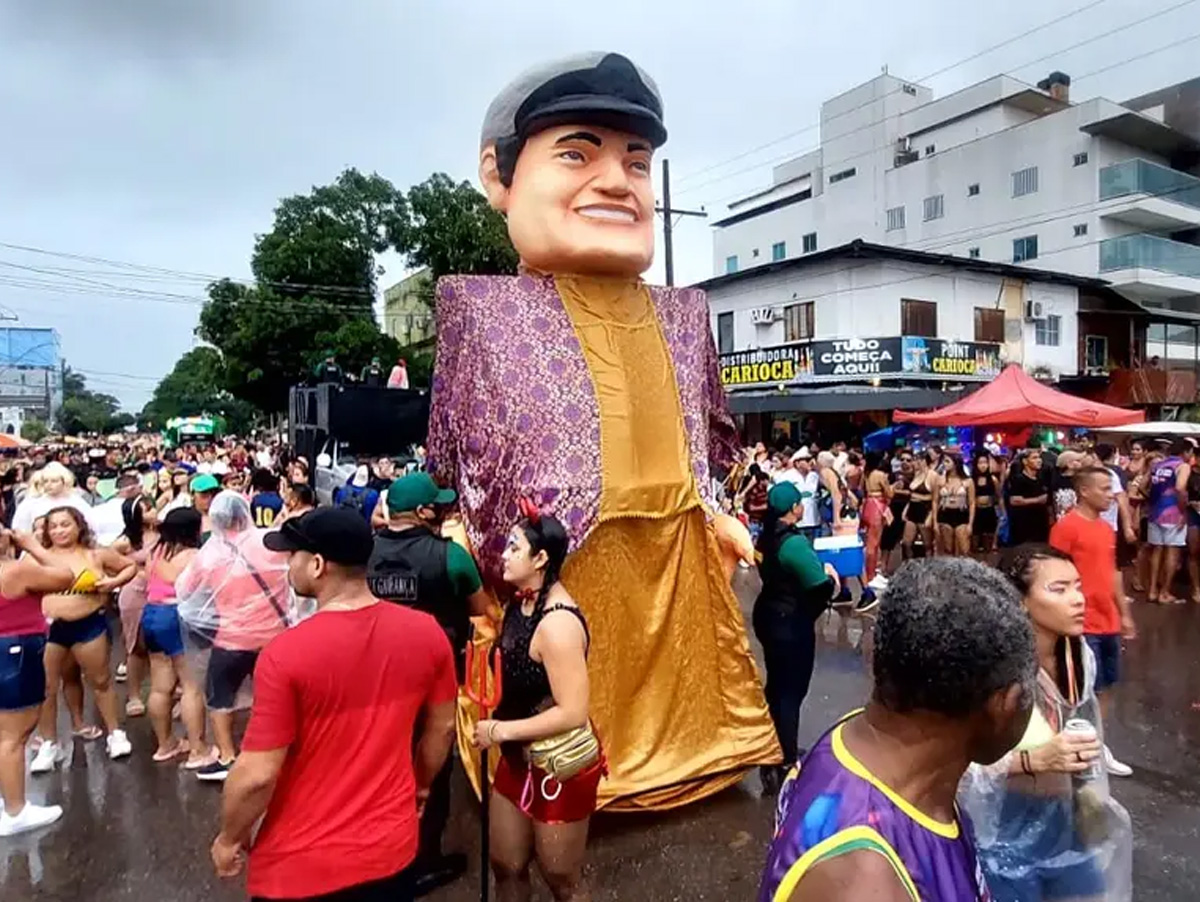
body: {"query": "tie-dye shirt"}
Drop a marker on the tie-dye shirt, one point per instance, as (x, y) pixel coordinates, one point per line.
(832, 805)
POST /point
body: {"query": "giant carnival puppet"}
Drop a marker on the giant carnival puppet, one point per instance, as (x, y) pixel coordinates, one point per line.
(576, 385)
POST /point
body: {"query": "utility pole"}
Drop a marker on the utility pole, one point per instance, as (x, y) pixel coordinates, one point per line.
(667, 212)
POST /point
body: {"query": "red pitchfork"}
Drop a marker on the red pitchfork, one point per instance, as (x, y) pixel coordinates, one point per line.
(477, 691)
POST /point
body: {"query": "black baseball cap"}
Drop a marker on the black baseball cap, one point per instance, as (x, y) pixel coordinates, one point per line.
(602, 88)
(338, 534)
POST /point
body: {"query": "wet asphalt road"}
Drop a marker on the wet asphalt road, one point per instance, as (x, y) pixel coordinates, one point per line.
(139, 832)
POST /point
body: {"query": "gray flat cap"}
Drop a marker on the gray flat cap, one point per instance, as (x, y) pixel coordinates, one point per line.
(602, 88)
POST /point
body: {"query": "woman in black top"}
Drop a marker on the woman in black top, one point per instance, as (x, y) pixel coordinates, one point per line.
(543, 646)
(987, 502)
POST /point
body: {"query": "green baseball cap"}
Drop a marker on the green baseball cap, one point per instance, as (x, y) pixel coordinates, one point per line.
(417, 490)
(205, 482)
(783, 497)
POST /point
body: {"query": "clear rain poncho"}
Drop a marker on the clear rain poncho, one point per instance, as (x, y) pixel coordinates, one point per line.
(234, 595)
(1054, 836)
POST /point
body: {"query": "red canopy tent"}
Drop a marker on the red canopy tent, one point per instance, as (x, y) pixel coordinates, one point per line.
(1016, 399)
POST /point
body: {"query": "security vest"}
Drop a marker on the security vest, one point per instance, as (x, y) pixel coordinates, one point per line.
(408, 567)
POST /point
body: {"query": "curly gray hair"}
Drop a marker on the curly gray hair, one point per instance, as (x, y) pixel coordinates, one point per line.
(951, 632)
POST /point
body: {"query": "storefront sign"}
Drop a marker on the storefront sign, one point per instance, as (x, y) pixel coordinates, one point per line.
(767, 366)
(853, 359)
(952, 359)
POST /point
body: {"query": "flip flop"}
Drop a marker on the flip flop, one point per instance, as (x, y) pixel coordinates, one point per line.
(208, 758)
(90, 733)
(135, 708)
(179, 749)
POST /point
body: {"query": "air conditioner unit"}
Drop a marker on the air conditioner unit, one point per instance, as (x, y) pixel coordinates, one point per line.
(764, 316)
(1035, 310)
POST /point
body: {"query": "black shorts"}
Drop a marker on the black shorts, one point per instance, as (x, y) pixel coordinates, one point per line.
(953, 517)
(227, 671)
(985, 521)
(918, 512)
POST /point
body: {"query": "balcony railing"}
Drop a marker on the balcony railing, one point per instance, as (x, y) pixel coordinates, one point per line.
(1144, 177)
(1150, 252)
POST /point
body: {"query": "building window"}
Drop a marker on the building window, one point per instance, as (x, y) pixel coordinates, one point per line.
(930, 150)
(754, 253)
(1081, 230)
(1025, 249)
(989, 325)
(973, 190)
(810, 243)
(778, 250)
(973, 253)
(1046, 331)
(1081, 159)
(935, 207)
(1025, 182)
(918, 318)
(798, 321)
(895, 219)
(843, 175)
(724, 333)
(1095, 353)
(731, 263)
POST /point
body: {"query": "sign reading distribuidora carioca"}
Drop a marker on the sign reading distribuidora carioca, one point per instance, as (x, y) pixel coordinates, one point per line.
(850, 359)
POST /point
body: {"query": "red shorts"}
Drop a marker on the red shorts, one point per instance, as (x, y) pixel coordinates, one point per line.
(542, 797)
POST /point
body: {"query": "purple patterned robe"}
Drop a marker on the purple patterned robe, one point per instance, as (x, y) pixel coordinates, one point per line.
(514, 413)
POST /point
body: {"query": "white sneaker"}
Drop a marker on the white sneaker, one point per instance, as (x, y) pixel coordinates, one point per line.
(1116, 768)
(878, 583)
(47, 757)
(28, 818)
(118, 745)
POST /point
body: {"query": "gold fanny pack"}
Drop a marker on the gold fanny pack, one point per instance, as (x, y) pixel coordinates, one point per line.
(566, 755)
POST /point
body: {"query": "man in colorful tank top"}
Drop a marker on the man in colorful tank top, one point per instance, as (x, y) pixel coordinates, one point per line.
(1166, 521)
(870, 812)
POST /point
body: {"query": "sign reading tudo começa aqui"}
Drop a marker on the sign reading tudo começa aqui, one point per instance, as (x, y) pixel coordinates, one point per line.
(898, 357)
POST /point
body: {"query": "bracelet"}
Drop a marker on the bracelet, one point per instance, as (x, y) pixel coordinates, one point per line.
(1026, 763)
(491, 733)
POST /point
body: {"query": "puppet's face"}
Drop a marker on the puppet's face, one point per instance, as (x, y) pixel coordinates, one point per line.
(581, 201)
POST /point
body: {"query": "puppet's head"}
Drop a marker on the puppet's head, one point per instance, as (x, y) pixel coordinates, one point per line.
(566, 154)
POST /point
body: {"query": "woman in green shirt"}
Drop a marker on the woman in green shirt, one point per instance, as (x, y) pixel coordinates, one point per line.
(797, 588)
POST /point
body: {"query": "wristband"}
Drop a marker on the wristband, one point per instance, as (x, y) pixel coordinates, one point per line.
(1026, 763)
(491, 733)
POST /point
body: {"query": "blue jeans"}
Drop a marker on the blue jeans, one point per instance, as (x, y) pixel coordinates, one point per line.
(22, 672)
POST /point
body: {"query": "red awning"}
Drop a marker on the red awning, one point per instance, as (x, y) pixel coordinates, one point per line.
(1016, 399)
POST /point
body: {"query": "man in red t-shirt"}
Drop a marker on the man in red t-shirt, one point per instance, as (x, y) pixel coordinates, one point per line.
(329, 755)
(1092, 545)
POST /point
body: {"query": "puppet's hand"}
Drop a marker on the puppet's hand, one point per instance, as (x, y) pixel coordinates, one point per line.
(734, 541)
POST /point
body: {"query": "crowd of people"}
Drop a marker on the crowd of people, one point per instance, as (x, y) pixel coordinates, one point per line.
(225, 582)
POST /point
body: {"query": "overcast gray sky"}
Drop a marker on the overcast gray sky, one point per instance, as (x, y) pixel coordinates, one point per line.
(162, 132)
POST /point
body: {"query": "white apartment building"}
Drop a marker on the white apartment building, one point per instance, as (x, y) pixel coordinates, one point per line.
(1001, 171)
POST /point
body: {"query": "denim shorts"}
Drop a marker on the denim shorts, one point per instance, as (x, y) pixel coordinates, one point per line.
(1173, 536)
(22, 672)
(161, 630)
(1107, 649)
(78, 632)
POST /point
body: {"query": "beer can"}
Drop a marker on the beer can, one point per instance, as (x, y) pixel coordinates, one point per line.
(1080, 727)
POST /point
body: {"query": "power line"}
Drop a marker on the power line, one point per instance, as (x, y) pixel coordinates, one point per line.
(892, 93)
(793, 154)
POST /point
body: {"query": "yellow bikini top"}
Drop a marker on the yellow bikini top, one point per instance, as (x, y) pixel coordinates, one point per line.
(85, 583)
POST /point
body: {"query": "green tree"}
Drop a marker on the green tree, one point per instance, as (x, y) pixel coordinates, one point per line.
(34, 430)
(198, 384)
(315, 273)
(84, 410)
(452, 229)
